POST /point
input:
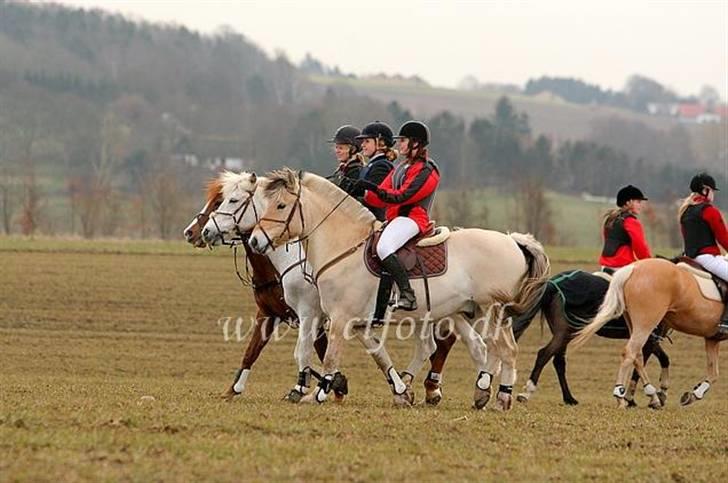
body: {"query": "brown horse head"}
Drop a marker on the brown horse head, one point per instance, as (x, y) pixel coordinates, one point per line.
(213, 199)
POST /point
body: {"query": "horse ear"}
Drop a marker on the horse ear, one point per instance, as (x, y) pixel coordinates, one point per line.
(253, 178)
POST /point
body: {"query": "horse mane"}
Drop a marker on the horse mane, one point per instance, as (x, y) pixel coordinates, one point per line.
(213, 189)
(288, 180)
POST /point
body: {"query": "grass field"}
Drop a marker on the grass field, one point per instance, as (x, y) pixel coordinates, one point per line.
(90, 330)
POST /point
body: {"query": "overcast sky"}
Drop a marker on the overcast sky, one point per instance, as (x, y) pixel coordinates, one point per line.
(681, 43)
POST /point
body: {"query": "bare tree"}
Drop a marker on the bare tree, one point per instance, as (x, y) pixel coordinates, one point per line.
(164, 196)
(534, 209)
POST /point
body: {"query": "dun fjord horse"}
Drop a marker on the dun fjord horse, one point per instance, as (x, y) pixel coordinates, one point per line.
(485, 268)
(272, 307)
(239, 213)
(648, 292)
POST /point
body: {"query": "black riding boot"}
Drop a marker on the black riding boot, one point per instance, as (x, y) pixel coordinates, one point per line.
(383, 295)
(407, 299)
(723, 325)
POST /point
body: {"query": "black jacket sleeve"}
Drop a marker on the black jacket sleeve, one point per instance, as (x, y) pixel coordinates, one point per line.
(378, 172)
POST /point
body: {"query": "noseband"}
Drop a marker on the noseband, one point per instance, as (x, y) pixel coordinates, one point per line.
(236, 216)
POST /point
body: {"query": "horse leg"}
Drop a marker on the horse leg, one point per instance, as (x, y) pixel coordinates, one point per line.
(560, 367)
(262, 330)
(560, 330)
(664, 360)
(444, 341)
(479, 353)
(508, 352)
(424, 347)
(630, 354)
(712, 351)
(650, 391)
(307, 332)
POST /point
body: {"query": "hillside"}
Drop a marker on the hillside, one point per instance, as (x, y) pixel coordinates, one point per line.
(548, 115)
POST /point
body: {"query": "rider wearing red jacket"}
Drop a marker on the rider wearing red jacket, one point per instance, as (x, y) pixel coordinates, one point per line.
(624, 238)
(406, 194)
(703, 227)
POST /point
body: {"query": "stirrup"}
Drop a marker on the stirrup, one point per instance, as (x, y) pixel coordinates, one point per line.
(409, 299)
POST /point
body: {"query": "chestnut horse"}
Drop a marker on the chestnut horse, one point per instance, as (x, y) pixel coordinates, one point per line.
(648, 292)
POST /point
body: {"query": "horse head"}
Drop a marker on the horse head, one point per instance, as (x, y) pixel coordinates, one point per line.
(237, 213)
(193, 232)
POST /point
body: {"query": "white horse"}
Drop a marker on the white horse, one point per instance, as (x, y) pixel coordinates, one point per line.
(486, 268)
(239, 213)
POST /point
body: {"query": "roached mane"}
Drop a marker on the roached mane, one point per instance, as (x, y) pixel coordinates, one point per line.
(287, 179)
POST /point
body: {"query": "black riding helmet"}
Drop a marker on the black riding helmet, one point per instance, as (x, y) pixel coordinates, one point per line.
(629, 193)
(700, 181)
(347, 134)
(415, 130)
(378, 130)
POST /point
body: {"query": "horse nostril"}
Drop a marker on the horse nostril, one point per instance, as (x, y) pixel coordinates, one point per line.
(188, 233)
(253, 242)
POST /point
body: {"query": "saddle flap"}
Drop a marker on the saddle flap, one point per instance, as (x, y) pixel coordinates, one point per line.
(432, 258)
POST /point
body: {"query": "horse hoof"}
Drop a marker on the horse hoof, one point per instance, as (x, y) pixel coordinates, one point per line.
(504, 401)
(481, 398)
(622, 403)
(662, 396)
(294, 396)
(340, 386)
(402, 400)
(687, 399)
(655, 404)
(631, 403)
(522, 398)
(229, 395)
(308, 399)
(410, 395)
(433, 398)
(571, 401)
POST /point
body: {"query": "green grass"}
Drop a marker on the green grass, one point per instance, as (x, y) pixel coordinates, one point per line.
(90, 328)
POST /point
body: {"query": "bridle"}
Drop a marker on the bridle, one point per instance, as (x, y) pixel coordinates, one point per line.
(303, 239)
(236, 216)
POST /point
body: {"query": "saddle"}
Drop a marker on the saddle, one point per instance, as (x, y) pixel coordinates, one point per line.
(424, 256)
(712, 287)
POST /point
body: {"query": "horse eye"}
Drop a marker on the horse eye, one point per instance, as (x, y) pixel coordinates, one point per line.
(234, 200)
(281, 206)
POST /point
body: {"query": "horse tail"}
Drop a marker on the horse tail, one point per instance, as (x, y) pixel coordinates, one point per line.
(523, 322)
(534, 281)
(612, 307)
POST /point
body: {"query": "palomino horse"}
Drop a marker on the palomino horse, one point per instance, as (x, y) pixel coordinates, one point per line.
(485, 268)
(576, 288)
(239, 214)
(269, 298)
(648, 292)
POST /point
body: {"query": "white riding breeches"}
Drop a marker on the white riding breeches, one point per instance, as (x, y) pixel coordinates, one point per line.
(715, 264)
(397, 232)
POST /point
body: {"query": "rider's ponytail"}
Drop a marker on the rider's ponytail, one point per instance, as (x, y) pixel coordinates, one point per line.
(691, 200)
(611, 216)
(388, 152)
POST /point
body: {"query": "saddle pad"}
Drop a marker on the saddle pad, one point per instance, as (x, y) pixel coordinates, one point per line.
(441, 234)
(433, 258)
(705, 282)
(603, 275)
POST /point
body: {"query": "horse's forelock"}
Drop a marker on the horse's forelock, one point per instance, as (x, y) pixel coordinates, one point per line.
(281, 179)
(231, 181)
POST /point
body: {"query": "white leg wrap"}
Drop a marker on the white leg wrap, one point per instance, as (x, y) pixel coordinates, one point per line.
(398, 386)
(530, 387)
(435, 377)
(701, 389)
(619, 391)
(650, 390)
(484, 381)
(239, 385)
